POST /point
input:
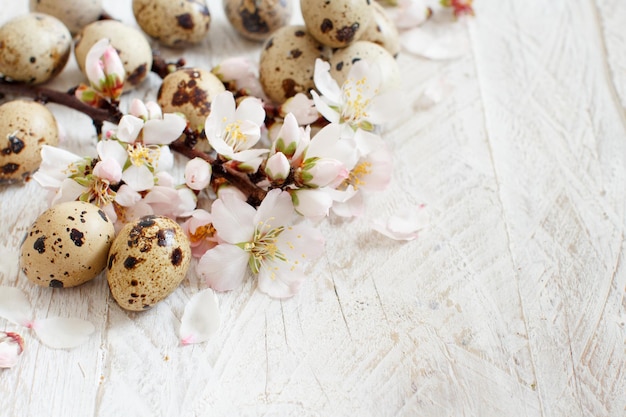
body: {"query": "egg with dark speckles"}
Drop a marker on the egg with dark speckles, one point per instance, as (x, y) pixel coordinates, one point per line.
(382, 30)
(287, 62)
(256, 20)
(130, 43)
(73, 13)
(34, 48)
(190, 91)
(173, 23)
(147, 261)
(337, 23)
(67, 245)
(25, 126)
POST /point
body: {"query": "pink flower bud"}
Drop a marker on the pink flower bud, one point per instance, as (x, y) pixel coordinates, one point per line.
(197, 174)
(105, 69)
(11, 347)
(277, 167)
(138, 109)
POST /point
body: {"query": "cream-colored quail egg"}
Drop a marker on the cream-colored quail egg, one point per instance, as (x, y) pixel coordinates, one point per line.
(342, 60)
(287, 63)
(34, 48)
(131, 44)
(189, 91)
(147, 261)
(25, 126)
(382, 31)
(73, 13)
(256, 20)
(67, 245)
(336, 23)
(173, 23)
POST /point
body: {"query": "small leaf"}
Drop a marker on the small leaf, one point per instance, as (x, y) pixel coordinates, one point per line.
(201, 318)
(14, 306)
(63, 333)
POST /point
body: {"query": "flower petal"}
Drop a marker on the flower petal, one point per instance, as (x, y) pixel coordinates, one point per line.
(163, 131)
(201, 318)
(279, 280)
(404, 224)
(275, 209)
(223, 267)
(233, 219)
(324, 82)
(139, 178)
(251, 109)
(63, 333)
(14, 306)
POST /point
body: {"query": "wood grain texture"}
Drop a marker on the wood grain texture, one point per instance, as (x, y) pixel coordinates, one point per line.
(511, 303)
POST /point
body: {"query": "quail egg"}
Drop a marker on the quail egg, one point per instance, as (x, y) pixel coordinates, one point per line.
(256, 20)
(147, 261)
(382, 30)
(73, 13)
(342, 60)
(25, 126)
(287, 63)
(131, 44)
(34, 48)
(67, 245)
(336, 23)
(173, 23)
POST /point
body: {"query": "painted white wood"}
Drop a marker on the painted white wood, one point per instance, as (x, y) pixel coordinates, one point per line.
(511, 303)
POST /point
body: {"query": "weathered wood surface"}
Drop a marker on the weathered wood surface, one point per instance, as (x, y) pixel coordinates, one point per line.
(511, 303)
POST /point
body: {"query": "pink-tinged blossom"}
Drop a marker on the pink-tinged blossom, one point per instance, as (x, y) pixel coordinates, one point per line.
(105, 69)
(233, 131)
(242, 74)
(302, 107)
(11, 347)
(197, 174)
(267, 241)
(202, 235)
(358, 102)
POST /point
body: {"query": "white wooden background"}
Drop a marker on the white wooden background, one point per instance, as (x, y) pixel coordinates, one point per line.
(511, 303)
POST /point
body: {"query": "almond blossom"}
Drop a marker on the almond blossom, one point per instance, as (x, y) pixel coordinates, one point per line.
(105, 72)
(358, 102)
(267, 241)
(233, 131)
(11, 347)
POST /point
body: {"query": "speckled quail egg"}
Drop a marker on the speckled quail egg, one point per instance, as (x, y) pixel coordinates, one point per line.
(131, 44)
(336, 23)
(256, 20)
(173, 23)
(342, 60)
(67, 245)
(287, 63)
(189, 91)
(34, 48)
(25, 126)
(147, 261)
(73, 13)
(382, 30)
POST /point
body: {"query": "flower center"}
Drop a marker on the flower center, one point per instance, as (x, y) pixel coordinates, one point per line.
(206, 231)
(142, 155)
(356, 104)
(358, 173)
(263, 246)
(234, 137)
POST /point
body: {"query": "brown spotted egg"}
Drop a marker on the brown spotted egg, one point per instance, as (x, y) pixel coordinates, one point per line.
(73, 13)
(382, 30)
(189, 91)
(34, 48)
(256, 20)
(287, 62)
(342, 60)
(147, 261)
(67, 245)
(173, 23)
(25, 126)
(336, 23)
(131, 44)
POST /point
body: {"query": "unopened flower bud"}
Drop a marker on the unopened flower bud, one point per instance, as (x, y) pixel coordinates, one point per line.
(197, 174)
(277, 167)
(11, 347)
(105, 69)
(322, 172)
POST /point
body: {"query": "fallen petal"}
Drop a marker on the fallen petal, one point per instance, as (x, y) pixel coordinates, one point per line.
(405, 224)
(63, 333)
(436, 41)
(201, 318)
(14, 306)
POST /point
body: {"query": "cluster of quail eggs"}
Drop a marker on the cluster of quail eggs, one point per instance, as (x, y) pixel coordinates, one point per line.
(72, 243)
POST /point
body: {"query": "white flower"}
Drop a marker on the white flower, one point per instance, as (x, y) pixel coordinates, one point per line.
(267, 240)
(11, 347)
(358, 102)
(232, 132)
(197, 174)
